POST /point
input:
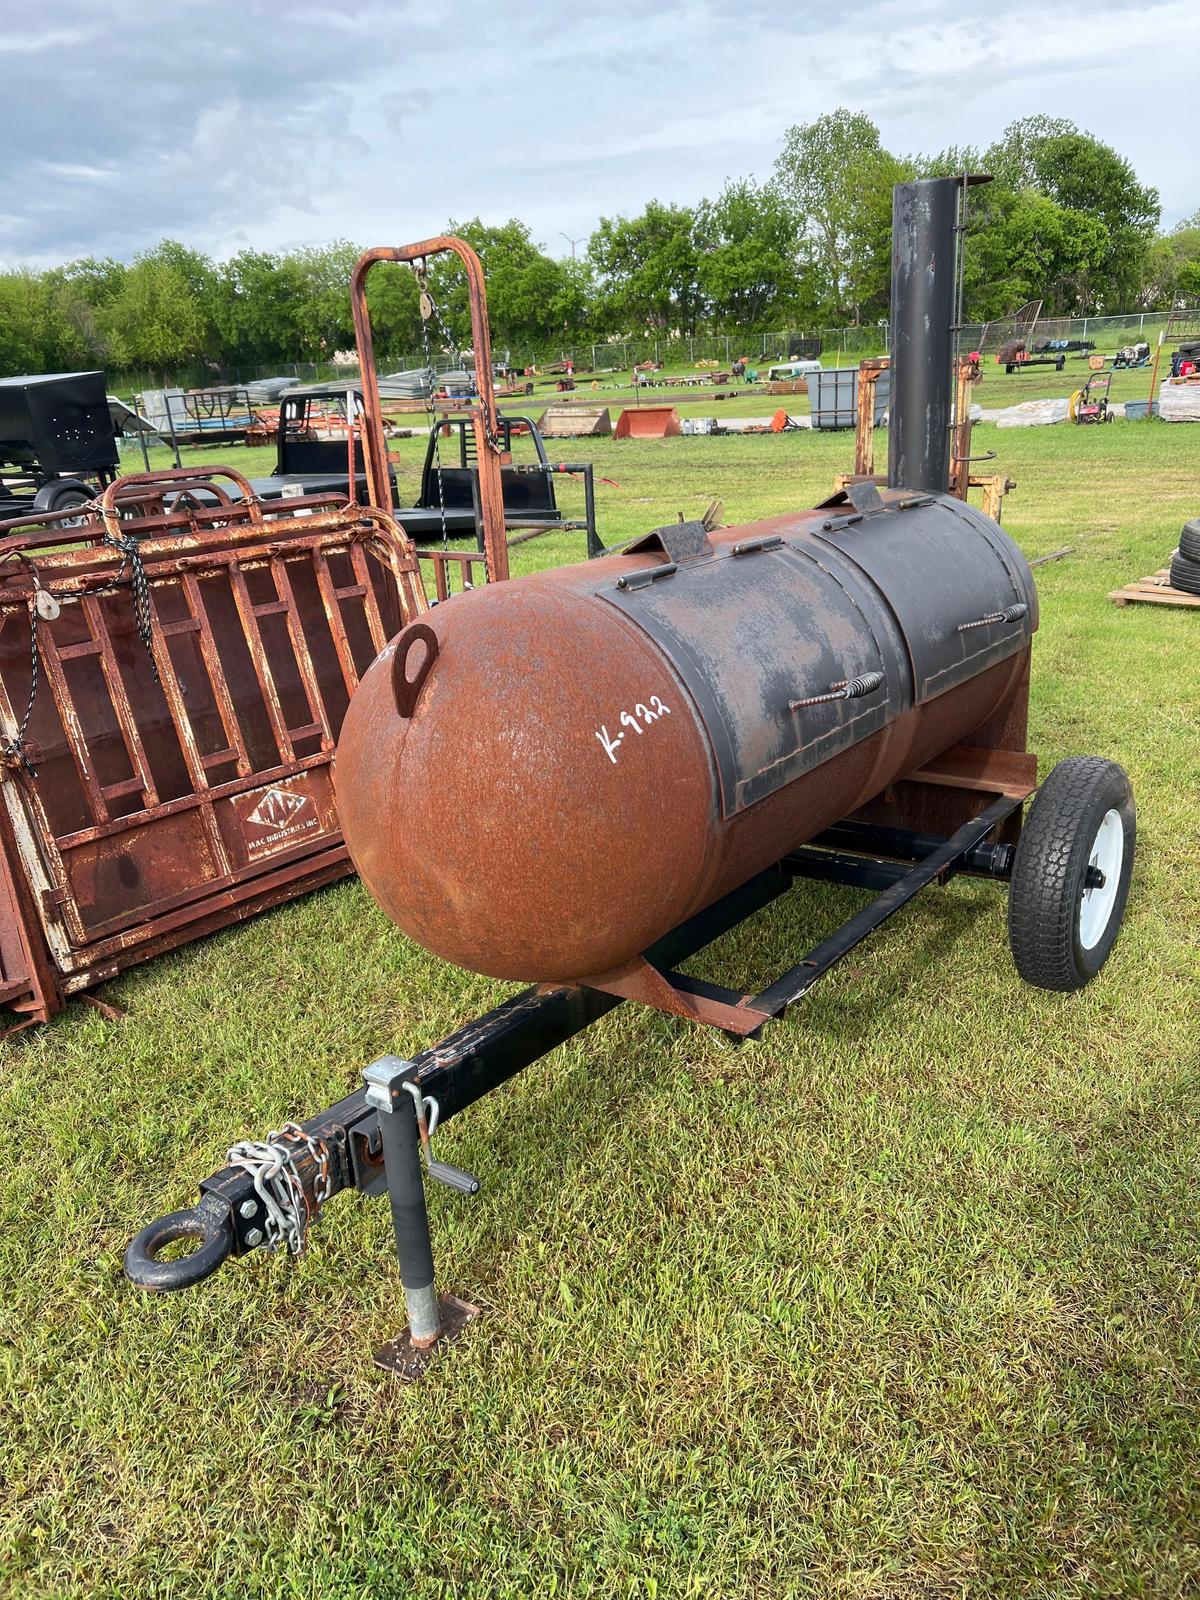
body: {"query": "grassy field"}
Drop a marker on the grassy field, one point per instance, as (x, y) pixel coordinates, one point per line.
(899, 1303)
(995, 389)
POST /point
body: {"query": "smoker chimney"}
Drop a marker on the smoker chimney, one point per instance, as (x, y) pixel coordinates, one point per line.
(924, 223)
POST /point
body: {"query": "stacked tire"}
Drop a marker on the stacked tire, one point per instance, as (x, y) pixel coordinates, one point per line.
(1185, 562)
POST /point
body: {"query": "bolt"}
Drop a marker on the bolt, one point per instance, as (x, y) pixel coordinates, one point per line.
(255, 1236)
(248, 1209)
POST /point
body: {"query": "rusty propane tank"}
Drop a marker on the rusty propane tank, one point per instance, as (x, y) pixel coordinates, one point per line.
(543, 777)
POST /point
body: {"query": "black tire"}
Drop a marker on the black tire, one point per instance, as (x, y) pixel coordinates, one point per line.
(1185, 574)
(1060, 937)
(1189, 539)
(62, 495)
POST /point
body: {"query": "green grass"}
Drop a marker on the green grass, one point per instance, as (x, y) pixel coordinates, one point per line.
(899, 1303)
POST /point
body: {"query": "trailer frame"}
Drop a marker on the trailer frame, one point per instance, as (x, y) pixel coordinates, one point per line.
(371, 1140)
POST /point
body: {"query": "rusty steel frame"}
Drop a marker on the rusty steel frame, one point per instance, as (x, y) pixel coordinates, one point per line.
(189, 527)
(484, 415)
(994, 485)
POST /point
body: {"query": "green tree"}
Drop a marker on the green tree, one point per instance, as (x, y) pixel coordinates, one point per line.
(97, 282)
(326, 320)
(22, 323)
(747, 243)
(1052, 252)
(1050, 156)
(837, 178)
(155, 321)
(1171, 269)
(648, 269)
(1012, 159)
(529, 293)
(195, 270)
(259, 309)
(393, 303)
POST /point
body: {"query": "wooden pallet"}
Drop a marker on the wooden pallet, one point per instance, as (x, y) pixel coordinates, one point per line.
(1155, 591)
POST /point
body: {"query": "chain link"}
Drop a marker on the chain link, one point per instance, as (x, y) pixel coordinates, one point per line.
(14, 749)
(271, 1164)
(428, 309)
(494, 437)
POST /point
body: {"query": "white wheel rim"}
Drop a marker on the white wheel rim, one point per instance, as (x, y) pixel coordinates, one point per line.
(1107, 855)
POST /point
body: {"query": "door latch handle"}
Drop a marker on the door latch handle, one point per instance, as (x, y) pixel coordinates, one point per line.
(1009, 614)
(844, 689)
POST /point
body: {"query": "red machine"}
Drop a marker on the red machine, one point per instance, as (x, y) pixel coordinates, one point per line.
(1091, 403)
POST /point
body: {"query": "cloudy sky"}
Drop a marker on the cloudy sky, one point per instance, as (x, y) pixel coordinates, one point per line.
(228, 123)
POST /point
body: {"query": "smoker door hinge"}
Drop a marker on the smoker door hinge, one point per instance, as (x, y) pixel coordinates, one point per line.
(646, 576)
(749, 547)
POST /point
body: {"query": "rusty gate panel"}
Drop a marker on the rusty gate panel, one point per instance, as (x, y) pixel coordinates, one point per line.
(170, 706)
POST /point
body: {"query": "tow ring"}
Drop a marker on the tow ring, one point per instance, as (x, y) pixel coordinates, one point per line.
(210, 1222)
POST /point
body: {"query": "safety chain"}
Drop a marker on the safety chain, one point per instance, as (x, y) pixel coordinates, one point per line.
(428, 309)
(14, 749)
(271, 1164)
(45, 607)
(494, 437)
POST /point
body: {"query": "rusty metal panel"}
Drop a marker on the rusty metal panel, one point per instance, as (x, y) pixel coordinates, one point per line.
(170, 707)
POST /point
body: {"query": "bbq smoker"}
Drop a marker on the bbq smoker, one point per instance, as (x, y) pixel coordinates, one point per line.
(684, 729)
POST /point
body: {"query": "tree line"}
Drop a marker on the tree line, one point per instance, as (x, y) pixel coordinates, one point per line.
(1066, 220)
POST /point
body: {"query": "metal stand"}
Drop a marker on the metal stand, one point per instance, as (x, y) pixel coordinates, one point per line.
(432, 1322)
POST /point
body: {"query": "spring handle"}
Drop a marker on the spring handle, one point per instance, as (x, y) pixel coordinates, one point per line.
(844, 689)
(1009, 614)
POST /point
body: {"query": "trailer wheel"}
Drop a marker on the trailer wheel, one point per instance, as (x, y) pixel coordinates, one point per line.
(1071, 876)
(63, 494)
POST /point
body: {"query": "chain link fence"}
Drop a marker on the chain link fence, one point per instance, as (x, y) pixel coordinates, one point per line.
(839, 347)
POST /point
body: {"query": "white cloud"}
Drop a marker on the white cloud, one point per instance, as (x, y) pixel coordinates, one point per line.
(31, 44)
(234, 123)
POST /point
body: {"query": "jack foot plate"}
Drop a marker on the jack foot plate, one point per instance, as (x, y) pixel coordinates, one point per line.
(410, 1362)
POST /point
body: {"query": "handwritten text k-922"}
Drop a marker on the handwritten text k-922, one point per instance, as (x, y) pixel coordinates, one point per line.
(641, 718)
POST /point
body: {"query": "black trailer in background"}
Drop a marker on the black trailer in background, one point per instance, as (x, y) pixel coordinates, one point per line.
(57, 444)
